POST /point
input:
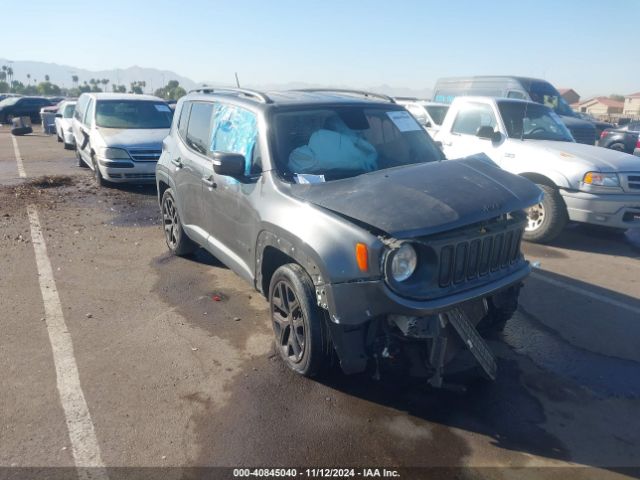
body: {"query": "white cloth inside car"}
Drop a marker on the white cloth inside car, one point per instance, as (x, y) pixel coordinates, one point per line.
(330, 150)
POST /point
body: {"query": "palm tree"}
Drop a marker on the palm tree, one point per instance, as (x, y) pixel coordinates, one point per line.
(29, 78)
(104, 82)
(46, 78)
(10, 74)
(3, 76)
(74, 79)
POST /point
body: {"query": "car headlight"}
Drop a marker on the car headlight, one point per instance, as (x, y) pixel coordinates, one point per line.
(114, 154)
(403, 262)
(601, 179)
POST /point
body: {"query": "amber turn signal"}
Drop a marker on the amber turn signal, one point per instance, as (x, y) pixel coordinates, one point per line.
(362, 257)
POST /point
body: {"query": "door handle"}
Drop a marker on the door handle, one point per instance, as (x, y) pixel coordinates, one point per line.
(177, 162)
(209, 182)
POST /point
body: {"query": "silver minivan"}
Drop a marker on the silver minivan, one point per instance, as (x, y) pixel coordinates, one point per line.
(119, 136)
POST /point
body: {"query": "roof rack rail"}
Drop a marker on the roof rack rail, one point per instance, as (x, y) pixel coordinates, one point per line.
(347, 91)
(407, 99)
(262, 97)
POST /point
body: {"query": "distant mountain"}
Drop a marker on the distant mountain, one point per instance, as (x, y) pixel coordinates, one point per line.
(154, 78)
(61, 75)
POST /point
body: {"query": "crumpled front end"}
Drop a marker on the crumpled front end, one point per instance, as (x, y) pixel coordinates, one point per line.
(467, 282)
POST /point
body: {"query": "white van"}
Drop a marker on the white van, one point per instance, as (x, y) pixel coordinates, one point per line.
(119, 136)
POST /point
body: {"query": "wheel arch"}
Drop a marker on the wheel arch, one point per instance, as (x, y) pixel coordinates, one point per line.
(541, 179)
(274, 250)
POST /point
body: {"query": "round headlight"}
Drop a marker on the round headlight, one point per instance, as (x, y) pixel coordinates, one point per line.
(403, 263)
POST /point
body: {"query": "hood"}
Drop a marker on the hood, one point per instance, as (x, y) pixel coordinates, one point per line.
(591, 157)
(426, 198)
(133, 137)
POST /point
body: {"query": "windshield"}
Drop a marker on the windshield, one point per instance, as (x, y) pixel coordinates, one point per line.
(9, 101)
(69, 108)
(544, 93)
(539, 122)
(437, 112)
(132, 114)
(329, 143)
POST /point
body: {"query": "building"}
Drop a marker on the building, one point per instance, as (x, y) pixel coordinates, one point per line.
(601, 107)
(570, 95)
(632, 105)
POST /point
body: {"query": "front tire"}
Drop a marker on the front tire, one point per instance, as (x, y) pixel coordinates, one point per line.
(100, 181)
(299, 325)
(177, 241)
(548, 218)
(501, 308)
(618, 147)
(81, 162)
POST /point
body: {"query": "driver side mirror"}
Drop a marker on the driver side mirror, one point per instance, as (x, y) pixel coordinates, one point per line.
(228, 164)
(488, 133)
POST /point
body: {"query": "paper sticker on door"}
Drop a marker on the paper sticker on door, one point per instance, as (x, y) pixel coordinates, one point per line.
(404, 121)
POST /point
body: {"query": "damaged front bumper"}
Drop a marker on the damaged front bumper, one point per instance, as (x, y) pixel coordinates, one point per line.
(356, 302)
(371, 324)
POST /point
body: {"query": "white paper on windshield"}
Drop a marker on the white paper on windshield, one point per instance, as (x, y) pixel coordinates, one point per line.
(308, 178)
(404, 121)
(163, 108)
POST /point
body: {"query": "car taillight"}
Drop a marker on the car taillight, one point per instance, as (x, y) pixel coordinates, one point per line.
(603, 134)
(638, 143)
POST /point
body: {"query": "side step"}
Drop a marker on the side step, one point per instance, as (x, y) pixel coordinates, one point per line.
(473, 341)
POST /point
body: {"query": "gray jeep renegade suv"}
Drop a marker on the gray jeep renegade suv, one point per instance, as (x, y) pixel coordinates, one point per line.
(341, 210)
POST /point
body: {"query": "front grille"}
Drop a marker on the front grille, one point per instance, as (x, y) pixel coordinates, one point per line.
(140, 155)
(139, 175)
(470, 259)
(632, 182)
(584, 135)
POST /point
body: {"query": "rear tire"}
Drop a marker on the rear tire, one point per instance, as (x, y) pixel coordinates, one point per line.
(547, 219)
(58, 137)
(177, 240)
(299, 325)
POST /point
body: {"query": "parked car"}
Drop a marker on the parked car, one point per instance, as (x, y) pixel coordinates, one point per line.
(582, 183)
(623, 139)
(63, 124)
(533, 89)
(599, 124)
(12, 107)
(429, 114)
(119, 136)
(339, 209)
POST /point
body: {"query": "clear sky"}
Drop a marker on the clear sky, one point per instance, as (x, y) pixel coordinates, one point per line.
(590, 45)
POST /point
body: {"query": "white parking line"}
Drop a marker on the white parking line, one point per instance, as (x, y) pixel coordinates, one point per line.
(586, 293)
(84, 444)
(16, 151)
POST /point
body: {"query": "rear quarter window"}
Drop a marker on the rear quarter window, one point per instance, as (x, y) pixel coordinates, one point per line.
(199, 127)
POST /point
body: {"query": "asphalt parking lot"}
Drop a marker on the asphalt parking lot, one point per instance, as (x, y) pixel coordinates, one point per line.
(176, 365)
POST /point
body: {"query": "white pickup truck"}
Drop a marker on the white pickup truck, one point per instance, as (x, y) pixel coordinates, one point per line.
(581, 183)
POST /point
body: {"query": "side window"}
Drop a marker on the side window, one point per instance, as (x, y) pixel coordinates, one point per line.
(183, 121)
(88, 117)
(81, 106)
(519, 95)
(199, 127)
(235, 130)
(473, 116)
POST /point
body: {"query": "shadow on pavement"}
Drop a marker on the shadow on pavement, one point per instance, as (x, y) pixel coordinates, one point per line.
(592, 239)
